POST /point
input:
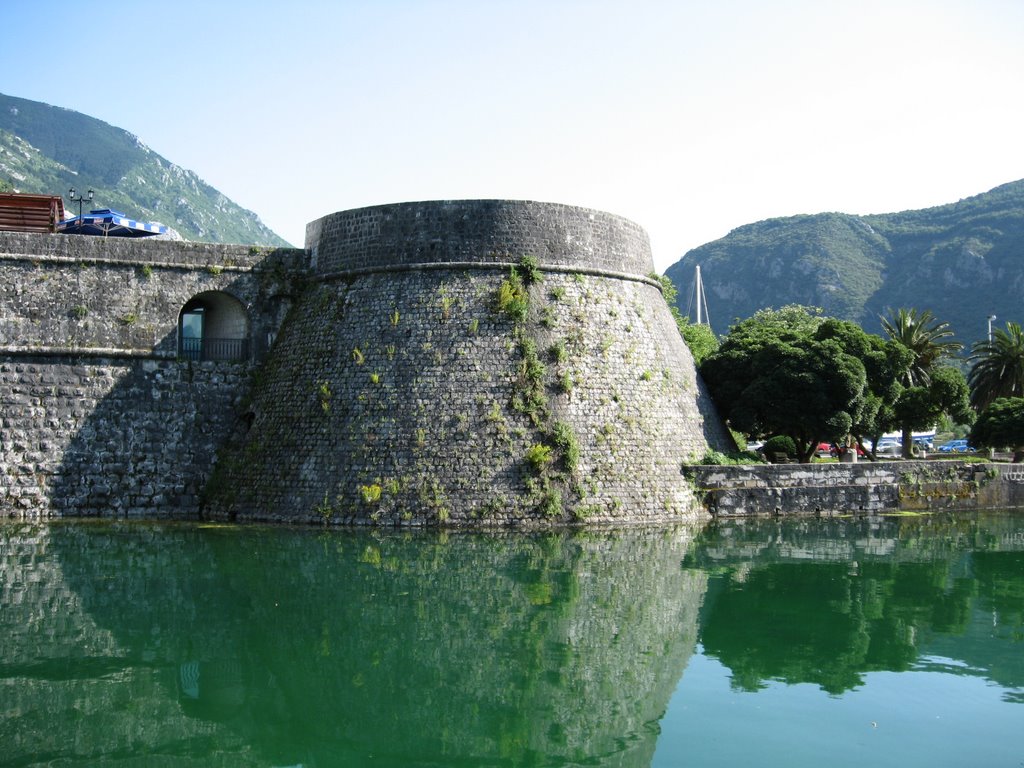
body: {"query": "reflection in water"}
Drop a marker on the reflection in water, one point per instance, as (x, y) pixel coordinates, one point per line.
(164, 644)
(262, 646)
(825, 602)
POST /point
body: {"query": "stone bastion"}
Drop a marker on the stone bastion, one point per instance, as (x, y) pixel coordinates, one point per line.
(472, 362)
(453, 362)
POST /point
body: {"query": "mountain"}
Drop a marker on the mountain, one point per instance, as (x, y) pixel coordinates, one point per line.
(964, 261)
(48, 150)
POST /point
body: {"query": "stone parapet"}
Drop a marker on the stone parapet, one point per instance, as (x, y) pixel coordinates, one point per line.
(477, 232)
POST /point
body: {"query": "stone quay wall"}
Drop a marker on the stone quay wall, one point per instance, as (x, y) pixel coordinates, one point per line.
(405, 388)
(99, 415)
(862, 487)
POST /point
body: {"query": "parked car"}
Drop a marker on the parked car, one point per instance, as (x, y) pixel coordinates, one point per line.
(889, 448)
(825, 451)
(956, 446)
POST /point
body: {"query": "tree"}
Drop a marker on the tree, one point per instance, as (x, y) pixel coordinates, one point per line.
(997, 367)
(925, 336)
(884, 363)
(1001, 424)
(700, 339)
(921, 407)
(930, 342)
(787, 372)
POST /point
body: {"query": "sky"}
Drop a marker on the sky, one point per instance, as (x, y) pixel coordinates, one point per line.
(690, 117)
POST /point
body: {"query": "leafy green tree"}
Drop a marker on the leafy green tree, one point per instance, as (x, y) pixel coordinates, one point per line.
(923, 334)
(921, 407)
(788, 372)
(930, 342)
(884, 363)
(997, 367)
(700, 339)
(1001, 425)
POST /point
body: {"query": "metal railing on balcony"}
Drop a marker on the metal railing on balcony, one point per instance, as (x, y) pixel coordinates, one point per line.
(214, 349)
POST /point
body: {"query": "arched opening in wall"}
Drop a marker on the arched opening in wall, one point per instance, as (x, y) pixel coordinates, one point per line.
(213, 326)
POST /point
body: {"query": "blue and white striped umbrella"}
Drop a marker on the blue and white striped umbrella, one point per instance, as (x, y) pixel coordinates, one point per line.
(108, 223)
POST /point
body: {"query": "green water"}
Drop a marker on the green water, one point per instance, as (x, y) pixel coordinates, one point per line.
(895, 641)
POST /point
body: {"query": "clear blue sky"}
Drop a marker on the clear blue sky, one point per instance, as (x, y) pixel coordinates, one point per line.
(691, 118)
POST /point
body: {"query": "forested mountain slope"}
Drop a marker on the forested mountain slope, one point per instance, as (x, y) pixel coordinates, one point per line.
(964, 261)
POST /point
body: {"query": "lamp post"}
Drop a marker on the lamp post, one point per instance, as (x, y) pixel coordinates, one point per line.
(77, 198)
(990, 319)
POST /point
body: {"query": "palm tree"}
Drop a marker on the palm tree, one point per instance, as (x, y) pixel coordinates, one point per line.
(924, 335)
(997, 367)
(929, 341)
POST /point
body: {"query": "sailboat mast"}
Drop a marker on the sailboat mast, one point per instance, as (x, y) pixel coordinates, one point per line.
(700, 295)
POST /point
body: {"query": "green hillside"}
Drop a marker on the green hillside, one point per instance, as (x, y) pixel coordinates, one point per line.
(963, 261)
(48, 150)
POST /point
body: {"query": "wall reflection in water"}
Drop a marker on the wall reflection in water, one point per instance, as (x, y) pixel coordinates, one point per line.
(271, 646)
(165, 644)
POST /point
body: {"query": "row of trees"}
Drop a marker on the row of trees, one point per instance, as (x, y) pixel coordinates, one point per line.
(818, 379)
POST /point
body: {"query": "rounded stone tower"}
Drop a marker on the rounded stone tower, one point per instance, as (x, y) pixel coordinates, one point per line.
(478, 362)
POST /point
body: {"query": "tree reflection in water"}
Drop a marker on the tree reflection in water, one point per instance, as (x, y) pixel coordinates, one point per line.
(825, 602)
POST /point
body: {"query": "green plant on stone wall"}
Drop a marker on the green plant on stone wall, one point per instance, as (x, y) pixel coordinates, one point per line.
(558, 351)
(513, 299)
(528, 270)
(147, 271)
(357, 356)
(538, 456)
(584, 511)
(395, 317)
(324, 510)
(568, 446)
(474, 327)
(370, 494)
(566, 383)
(324, 395)
(447, 302)
(528, 394)
(80, 312)
(129, 318)
(214, 269)
(375, 378)
(551, 503)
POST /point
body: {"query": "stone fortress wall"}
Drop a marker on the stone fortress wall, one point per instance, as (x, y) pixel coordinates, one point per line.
(383, 377)
(99, 415)
(431, 375)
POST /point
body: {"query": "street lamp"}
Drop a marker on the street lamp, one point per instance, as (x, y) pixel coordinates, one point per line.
(990, 319)
(77, 198)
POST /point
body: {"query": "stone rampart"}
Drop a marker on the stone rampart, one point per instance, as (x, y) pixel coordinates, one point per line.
(100, 413)
(863, 487)
(475, 362)
(412, 366)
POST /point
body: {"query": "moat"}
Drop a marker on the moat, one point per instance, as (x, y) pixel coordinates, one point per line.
(868, 640)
